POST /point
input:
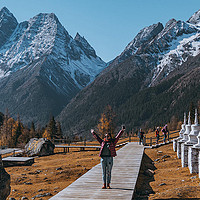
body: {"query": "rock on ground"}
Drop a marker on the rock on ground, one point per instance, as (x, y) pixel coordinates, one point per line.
(4, 183)
(39, 147)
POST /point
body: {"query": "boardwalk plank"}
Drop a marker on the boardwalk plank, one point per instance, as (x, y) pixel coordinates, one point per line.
(124, 176)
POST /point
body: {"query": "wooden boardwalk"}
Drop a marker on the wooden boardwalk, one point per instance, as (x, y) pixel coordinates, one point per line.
(124, 176)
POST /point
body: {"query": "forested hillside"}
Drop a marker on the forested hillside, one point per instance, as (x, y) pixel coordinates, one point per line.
(134, 106)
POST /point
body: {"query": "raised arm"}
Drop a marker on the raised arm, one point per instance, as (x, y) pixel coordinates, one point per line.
(96, 136)
(119, 135)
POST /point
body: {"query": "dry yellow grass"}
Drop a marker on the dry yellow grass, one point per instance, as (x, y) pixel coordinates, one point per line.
(45, 177)
(179, 182)
(51, 174)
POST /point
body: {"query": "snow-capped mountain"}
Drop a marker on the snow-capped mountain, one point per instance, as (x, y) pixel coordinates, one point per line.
(41, 49)
(43, 35)
(155, 77)
(168, 46)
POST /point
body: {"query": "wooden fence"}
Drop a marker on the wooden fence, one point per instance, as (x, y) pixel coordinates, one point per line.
(149, 139)
(90, 143)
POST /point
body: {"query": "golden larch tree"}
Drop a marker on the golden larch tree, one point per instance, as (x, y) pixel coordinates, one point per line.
(106, 122)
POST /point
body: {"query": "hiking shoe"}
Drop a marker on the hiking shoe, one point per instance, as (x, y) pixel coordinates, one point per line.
(108, 186)
(104, 186)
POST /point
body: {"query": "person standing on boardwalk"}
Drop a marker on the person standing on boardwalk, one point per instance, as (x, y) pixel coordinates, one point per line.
(165, 131)
(107, 152)
(141, 136)
(157, 135)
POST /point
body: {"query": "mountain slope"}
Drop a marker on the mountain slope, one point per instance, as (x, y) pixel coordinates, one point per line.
(150, 106)
(140, 84)
(42, 67)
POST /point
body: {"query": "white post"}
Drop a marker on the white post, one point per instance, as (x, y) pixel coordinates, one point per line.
(175, 141)
(194, 132)
(193, 154)
(184, 148)
(181, 137)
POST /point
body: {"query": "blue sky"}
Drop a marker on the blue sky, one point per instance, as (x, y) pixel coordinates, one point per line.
(108, 25)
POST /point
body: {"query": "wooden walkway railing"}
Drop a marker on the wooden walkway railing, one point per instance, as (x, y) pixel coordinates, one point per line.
(83, 148)
(124, 177)
(149, 141)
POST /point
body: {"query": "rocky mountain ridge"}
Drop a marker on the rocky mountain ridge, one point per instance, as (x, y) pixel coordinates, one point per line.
(167, 46)
(40, 62)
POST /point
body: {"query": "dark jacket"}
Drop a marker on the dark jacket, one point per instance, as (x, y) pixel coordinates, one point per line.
(112, 143)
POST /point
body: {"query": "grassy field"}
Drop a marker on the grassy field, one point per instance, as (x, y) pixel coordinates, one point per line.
(50, 174)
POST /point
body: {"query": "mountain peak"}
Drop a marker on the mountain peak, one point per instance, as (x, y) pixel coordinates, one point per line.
(170, 22)
(45, 17)
(83, 43)
(141, 39)
(5, 13)
(8, 23)
(81, 39)
(5, 10)
(148, 33)
(78, 36)
(195, 18)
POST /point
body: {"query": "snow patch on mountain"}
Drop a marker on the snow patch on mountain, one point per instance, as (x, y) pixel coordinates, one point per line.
(195, 18)
(179, 50)
(86, 66)
(43, 37)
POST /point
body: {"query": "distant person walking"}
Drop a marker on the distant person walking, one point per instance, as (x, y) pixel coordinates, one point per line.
(165, 131)
(107, 152)
(157, 135)
(141, 136)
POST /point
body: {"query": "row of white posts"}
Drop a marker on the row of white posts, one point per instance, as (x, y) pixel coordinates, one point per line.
(187, 145)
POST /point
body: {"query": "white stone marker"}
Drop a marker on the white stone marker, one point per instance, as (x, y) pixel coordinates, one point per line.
(193, 152)
(183, 140)
(184, 148)
(175, 141)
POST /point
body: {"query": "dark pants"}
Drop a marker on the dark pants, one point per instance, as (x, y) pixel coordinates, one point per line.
(165, 136)
(106, 164)
(141, 140)
(157, 139)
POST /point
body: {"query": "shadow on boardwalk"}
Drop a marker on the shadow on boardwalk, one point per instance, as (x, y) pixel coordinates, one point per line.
(146, 175)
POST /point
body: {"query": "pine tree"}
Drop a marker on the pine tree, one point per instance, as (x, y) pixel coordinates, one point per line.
(52, 129)
(39, 131)
(24, 137)
(32, 130)
(17, 132)
(59, 134)
(10, 124)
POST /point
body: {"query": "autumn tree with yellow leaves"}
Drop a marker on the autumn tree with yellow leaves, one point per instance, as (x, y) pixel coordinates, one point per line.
(107, 122)
(15, 134)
